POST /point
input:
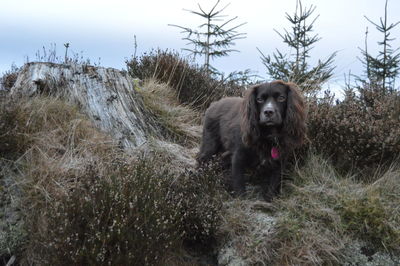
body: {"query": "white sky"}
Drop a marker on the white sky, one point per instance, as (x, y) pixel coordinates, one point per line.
(105, 29)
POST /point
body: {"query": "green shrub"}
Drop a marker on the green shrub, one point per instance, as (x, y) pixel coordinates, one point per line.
(361, 131)
(193, 85)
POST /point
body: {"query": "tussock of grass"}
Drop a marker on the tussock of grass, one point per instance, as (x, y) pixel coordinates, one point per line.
(181, 123)
(246, 224)
(178, 158)
(47, 124)
(373, 214)
(322, 213)
(192, 85)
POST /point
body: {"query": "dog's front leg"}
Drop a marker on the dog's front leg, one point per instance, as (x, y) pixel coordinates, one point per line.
(238, 168)
(272, 183)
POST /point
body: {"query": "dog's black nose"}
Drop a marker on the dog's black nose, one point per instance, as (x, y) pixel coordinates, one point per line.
(268, 112)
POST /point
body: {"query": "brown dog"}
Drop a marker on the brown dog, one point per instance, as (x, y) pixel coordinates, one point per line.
(258, 130)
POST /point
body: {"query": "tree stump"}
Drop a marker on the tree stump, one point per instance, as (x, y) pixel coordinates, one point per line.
(107, 96)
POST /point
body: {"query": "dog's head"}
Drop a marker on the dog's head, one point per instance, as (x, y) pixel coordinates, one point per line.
(273, 107)
(271, 102)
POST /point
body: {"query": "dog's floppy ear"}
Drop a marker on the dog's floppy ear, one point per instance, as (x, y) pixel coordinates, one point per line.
(249, 117)
(294, 125)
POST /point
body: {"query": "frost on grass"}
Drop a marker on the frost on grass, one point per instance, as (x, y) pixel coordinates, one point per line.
(246, 225)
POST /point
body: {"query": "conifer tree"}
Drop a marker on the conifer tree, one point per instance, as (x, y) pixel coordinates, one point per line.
(214, 38)
(295, 66)
(382, 70)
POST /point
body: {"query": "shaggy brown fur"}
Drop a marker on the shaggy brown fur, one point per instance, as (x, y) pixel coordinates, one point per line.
(259, 130)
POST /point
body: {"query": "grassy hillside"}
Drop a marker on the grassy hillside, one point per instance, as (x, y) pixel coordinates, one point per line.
(71, 196)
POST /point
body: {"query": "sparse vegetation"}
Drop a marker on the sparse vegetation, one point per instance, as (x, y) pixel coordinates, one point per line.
(50, 55)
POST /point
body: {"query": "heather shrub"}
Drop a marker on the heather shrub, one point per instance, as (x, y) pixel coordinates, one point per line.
(119, 219)
(131, 214)
(9, 77)
(192, 84)
(361, 131)
(201, 195)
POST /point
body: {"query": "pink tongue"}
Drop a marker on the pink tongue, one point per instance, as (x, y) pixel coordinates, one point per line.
(275, 153)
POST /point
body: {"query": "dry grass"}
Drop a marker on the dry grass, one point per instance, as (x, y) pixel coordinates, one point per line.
(51, 143)
(192, 85)
(182, 124)
(84, 201)
(48, 145)
(47, 125)
(246, 224)
(319, 215)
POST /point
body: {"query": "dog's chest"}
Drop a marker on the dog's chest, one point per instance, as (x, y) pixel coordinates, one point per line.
(268, 156)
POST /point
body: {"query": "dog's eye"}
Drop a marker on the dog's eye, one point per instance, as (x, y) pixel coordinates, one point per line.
(260, 100)
(281, 98)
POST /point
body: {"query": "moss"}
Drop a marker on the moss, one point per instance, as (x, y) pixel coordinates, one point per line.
(367, 218)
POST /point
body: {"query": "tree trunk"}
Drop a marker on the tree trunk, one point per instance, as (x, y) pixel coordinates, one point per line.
(107, 96)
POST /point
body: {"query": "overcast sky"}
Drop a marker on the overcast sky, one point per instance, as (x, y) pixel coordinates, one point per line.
(105, 29)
